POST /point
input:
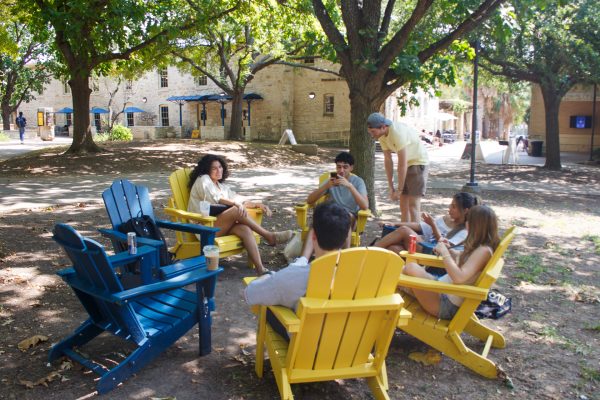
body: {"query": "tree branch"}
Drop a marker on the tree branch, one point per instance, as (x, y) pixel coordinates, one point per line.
(304, 66)
(387, 16)
(333, 34)
(484, 10)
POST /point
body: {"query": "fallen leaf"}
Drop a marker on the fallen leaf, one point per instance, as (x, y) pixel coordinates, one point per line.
(31, 342)
(432, 357)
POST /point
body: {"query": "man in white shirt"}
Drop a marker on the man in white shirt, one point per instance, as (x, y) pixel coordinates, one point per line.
(285, 287)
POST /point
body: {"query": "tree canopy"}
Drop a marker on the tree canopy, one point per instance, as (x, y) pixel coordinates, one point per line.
(546, 43)
(386, 46)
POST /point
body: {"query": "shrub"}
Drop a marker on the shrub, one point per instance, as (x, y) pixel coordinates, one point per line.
(120, 133)
(4, 137)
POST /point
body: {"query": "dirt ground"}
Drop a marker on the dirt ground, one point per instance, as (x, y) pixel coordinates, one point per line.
(551, 273)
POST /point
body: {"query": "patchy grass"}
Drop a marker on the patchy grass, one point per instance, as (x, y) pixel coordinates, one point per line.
(595, 239)
(530, 267)
(590, 374)
(4, 137)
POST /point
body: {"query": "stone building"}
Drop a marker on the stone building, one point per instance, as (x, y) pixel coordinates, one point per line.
(574, 119)
(172, 103)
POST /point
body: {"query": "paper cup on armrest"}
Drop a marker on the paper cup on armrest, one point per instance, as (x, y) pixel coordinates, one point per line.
(211, 253)
(204, 208)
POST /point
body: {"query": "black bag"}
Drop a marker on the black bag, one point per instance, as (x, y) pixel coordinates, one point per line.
(145, 227)
(495, 306)
(216, 209)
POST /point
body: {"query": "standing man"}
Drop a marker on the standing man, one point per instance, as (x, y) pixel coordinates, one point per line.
(412, 163)
(21, 122)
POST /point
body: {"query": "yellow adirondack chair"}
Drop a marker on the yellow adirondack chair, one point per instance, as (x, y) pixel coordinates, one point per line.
(187, 243)
(302, 216)
(445, 335)
(343, 326)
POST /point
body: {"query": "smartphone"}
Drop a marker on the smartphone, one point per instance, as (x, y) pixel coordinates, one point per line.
(333, 175)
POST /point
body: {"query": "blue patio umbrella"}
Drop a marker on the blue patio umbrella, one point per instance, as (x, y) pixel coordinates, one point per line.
(98, 110)
(64, 110)
(133, 110)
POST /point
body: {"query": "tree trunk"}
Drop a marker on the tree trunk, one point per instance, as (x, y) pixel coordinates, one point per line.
(235, 129)
(551, 106)
(82, 131)
(6, 110)
(362, 146)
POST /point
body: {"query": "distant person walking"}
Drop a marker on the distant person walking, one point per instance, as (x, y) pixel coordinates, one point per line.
(21, 122)
(412, 165)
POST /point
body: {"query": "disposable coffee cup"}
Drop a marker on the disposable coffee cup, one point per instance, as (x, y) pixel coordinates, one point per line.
(212, 257)
(204, 208)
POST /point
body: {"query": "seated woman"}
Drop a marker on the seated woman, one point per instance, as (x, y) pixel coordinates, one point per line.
(450, 226)
(206, 182)
(480, 244)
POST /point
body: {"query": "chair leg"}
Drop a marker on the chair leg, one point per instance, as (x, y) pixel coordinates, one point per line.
(86, 332)
(137, 360)
(204, 322)
(285, 389)
(260, 341)
(377, 386)
(475, 362)
(475, 328)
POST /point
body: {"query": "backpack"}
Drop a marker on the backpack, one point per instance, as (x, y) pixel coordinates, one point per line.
(145, 227)
(495, 306)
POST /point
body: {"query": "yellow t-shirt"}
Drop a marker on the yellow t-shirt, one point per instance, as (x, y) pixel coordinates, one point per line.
(400, 136)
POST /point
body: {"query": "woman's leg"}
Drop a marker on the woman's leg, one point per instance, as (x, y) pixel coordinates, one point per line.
(430, 301)
(245, 233)
(230, 217)
(399, 237)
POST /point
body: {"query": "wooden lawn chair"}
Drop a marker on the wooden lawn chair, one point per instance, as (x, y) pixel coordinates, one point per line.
(152, 316)
(302, 216)
(343, 326)
(124, 200)
(187, 243)
(445, 335)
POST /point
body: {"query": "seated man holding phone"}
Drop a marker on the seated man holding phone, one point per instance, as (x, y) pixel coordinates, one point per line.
(345, 189)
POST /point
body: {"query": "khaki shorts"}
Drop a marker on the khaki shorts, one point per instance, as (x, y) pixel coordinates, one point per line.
(415, 183)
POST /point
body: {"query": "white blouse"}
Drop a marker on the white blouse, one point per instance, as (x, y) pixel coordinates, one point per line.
(205, 189)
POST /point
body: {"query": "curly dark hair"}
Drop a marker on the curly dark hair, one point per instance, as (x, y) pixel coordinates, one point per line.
(203, 168)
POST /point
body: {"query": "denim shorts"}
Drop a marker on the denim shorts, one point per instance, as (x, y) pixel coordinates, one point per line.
(447, 308)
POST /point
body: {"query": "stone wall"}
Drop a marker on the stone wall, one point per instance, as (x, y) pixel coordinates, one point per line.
(577, 102)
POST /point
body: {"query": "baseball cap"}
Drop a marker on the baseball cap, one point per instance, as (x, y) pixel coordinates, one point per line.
(377, 120)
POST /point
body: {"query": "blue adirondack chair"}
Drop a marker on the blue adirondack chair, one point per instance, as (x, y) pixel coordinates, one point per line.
(123, 201)
(151, 316)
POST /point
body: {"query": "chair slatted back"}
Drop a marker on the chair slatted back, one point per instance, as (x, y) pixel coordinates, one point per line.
(489, 275)
(332, 339)
(94, 272)
(179, 181)
(124, 200)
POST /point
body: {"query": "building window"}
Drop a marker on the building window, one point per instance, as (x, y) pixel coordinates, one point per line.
(328, 104)
(201, 80)
(309, 60)
(129, 119)
(66, 88)
(164, 115)
(128, 84)
(164, 78)
(69, 119)
(97, 122)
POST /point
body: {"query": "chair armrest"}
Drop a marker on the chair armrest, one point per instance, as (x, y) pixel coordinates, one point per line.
(186, 215)
(423, 259)
(163, 286)
(361, 221)
(248, 279)
(287, 317)
(122, 237)
(191, 228)
(256, 214)
(125, 258)
(465, 291)
(302, 215)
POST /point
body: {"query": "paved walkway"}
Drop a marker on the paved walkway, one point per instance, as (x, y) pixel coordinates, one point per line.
(13, 147)
(40, 192)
